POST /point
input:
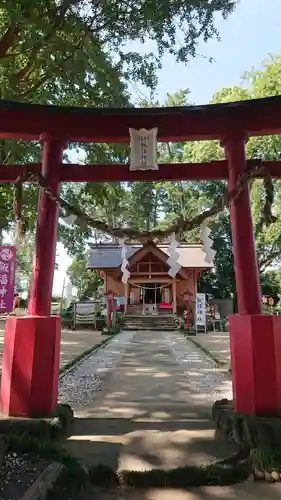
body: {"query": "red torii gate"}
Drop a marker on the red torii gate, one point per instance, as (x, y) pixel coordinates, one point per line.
(29, 383)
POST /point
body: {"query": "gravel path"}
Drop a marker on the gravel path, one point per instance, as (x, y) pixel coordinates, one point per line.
(78, 387)
(147, 414)
(18, 473)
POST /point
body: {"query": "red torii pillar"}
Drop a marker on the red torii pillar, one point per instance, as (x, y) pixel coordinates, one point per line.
(255, 339)
(29, 385)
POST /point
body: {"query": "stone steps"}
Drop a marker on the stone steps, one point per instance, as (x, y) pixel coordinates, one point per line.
(142, 322)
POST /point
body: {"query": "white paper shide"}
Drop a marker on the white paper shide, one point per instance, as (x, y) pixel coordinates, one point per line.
(174, 256)
(124, 266)
(143, 149)
(207, 244)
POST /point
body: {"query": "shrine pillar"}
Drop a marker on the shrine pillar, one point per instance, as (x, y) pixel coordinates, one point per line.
(126, 298)
(255, 339)
(46, 231)
(29, 385)
(174, 293)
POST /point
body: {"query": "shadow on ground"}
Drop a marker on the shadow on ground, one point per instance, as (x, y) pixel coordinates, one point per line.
(131, 445)
(146, 416)
(243, 491)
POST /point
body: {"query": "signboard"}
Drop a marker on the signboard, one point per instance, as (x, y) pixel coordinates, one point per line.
(85, 308)
(55, 308)
(200, 309)
(143, 149)
(7, 278)
(68, 294)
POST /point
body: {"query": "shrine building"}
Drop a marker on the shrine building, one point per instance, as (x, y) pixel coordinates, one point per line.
(150, 289)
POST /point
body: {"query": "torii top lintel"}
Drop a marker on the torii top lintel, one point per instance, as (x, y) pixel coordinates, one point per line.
(212, 121)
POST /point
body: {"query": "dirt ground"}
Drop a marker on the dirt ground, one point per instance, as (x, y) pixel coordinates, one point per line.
(217, 343)
(73, 343)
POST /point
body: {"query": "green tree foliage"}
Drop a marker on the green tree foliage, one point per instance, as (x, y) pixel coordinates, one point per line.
(80, 53)
(145, 204)
(72, 39)
(263, 83)
(271, 284)
(85, 281)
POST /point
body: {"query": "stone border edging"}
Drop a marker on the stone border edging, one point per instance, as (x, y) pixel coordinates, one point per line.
(54, 427)
(209, 354)
(252, 434)
(39, 489)
(246, 430)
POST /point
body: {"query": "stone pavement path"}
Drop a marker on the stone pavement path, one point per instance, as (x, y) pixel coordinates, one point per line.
(242, 491)
(147, 415)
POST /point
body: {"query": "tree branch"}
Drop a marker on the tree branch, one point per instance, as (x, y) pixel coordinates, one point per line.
(47, 75)
(66, 4)
(58, 21)
(8, 39)
(271, 256)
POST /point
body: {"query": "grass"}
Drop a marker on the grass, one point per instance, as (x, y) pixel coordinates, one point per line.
(219, 474)
(69, 483)
(74, 476)
(266, 459)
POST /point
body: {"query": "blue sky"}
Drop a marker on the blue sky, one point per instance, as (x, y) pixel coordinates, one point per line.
(247, 37)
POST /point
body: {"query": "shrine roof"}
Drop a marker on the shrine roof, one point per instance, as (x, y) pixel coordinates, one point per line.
(109, 256)
(211, 121)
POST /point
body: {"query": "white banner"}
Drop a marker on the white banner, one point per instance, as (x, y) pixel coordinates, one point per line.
(68, 294)
(85, 308)
(200, 309)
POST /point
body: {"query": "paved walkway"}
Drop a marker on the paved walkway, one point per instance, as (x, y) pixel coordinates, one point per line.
(73, 343)
(146, 416)
(218, 344)
(243, 491)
